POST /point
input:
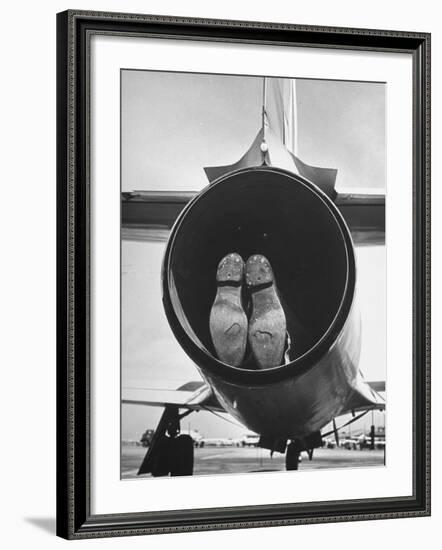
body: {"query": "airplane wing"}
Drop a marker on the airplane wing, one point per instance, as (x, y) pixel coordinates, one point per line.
(149, 215)
(366, 396)
(378, 386)
(193, 396)
(364, 213)
(198, 396)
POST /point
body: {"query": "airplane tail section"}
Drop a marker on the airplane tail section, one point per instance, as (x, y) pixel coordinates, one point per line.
(277, 140)
(280, 110)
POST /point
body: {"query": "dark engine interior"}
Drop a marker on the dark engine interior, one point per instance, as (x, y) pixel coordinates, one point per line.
(267, 212)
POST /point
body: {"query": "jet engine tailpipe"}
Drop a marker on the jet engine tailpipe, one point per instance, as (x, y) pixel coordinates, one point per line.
(286, 218)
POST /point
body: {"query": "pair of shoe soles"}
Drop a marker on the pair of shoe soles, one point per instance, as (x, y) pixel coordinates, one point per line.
(229, 327)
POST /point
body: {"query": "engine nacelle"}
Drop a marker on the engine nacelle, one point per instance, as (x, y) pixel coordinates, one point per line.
(269, 211)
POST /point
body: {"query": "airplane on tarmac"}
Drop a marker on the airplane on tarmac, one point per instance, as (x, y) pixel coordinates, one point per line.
(272, 203)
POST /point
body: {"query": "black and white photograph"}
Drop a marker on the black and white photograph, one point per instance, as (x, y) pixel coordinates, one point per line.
(243, 275)
(253, 274)
(222, 268)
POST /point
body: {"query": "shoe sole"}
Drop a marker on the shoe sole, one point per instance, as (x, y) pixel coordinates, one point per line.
(267, 325)
(228, 322)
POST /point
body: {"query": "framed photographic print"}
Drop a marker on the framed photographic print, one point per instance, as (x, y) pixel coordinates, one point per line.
(243, 274)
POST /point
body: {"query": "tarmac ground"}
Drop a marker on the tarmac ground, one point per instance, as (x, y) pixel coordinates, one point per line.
(231, 460)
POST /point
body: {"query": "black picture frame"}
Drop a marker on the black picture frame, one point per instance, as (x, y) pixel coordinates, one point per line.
(74, 518)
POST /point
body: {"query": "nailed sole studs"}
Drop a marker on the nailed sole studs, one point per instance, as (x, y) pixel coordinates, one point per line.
(228, 322)
(267, 325)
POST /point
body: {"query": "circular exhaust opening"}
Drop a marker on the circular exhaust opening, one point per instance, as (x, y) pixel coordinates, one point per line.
(282, 216)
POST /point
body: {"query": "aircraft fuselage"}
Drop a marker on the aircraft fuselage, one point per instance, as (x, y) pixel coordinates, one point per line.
(299, 405)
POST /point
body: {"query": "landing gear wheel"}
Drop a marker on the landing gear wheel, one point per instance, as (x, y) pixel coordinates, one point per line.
(161, 460)
(181, 456)
(292, 457)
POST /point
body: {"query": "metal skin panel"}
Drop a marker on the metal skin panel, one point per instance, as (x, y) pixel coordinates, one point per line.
(300, 405)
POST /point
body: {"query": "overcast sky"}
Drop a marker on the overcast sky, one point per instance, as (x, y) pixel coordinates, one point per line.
(175, 124)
